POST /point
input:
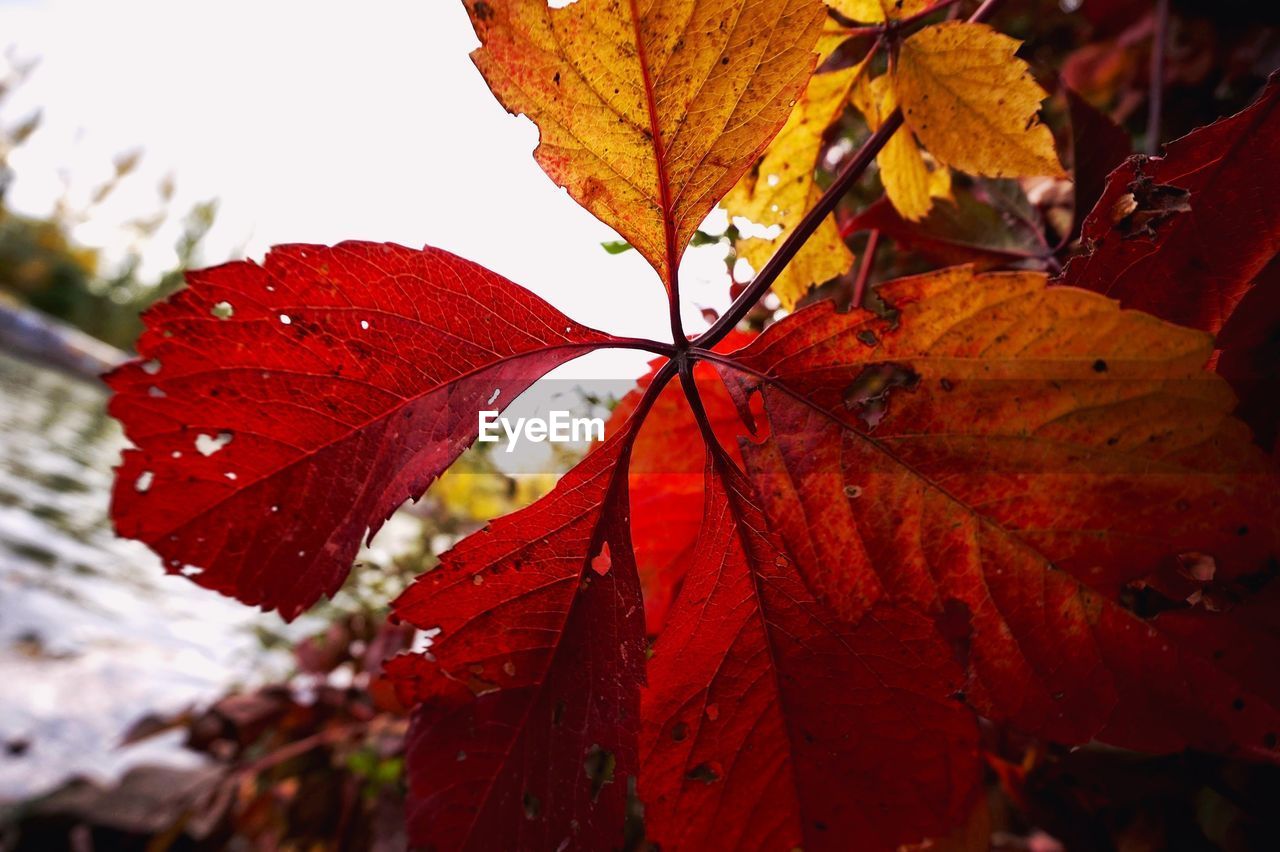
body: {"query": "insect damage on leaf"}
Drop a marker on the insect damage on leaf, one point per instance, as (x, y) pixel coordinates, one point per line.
(1185, 235)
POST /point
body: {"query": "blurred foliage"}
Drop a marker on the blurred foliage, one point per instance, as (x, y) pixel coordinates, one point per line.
(313, 762)
(43, 265)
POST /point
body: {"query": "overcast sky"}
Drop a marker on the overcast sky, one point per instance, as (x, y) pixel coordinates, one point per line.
(318, 121)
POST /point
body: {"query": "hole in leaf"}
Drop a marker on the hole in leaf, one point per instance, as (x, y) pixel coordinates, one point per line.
(599, 767)
(602, 561)
(143, 483)
(1198, 566)
(707, 773)
(868, 394)
(532, 807)
(209, 445)
(223, 310)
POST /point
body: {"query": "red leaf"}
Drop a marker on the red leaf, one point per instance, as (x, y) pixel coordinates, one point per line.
(282, 411)
(1098, 145)
(1029, 506)
(1249, 355)
(964, 230)
(526, 737)
(1183, 236)
(771, 724)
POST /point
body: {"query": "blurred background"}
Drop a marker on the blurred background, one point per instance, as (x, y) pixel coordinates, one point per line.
(142, 137)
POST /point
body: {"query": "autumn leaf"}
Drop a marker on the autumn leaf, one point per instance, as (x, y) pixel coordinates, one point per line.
(1192, 236)
(908, 182)
(781, 189)
(1185, 235)
(1025, 463)
(1248, 355)
(1098, 145)
(972, 102)
(282, 412)
(526, 733)
(646, 118)
(770, 723)
(877, 11)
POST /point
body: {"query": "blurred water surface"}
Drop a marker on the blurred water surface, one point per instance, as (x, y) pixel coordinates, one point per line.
(93, 633)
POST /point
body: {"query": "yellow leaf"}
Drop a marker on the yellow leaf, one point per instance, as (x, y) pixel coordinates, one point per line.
(907, 180)
(939, 181)
(973, 103)
(781, 189)
(823, 257)
(833, 35)
(649, 110)
(876, 11)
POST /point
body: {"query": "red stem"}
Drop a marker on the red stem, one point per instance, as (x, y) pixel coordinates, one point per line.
(864, 271)
(657, 347)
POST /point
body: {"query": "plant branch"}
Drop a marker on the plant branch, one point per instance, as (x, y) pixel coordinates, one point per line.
(847, 177)
(795, 241)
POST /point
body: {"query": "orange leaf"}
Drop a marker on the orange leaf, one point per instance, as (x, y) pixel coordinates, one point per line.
(649, 112)
(1034, 465)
